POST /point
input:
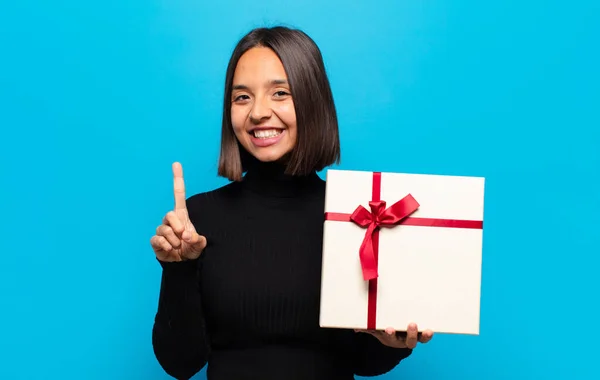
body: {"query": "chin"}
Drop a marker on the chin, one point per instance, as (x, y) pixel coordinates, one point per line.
(270, 156)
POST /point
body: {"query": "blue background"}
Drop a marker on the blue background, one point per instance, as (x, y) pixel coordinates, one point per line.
(98, 98)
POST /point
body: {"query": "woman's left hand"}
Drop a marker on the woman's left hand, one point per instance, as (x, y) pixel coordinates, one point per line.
(408, 339)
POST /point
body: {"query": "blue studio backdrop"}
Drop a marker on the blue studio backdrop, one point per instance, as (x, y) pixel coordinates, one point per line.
(97, 99)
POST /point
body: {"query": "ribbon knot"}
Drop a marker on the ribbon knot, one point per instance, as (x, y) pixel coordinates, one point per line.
(373, 220)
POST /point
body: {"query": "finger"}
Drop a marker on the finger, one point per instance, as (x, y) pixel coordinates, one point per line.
(392, 336)
(168, 233)
(196, 241)
(178, 186)
(411, 336)
(426, 336)
(172, 220)
(154, 242)
(159, 243)
(398, 337)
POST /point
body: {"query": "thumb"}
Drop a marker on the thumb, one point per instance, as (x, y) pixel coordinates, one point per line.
(195, 240)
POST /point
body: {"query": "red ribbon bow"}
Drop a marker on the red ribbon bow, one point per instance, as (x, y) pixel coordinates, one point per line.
(373, 220)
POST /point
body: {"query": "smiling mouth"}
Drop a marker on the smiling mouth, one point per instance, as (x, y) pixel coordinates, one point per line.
(266, 133)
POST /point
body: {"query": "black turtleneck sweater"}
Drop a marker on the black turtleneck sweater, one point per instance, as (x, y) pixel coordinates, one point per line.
(249, 306)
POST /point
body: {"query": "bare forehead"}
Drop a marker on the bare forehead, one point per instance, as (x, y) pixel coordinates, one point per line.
(259, 65)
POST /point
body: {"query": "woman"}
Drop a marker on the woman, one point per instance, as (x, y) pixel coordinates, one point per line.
(241, 264)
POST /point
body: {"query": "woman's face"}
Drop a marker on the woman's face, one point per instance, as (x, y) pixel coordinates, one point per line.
(262, 108)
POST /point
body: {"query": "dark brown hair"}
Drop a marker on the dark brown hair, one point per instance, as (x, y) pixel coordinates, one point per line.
(317, 144)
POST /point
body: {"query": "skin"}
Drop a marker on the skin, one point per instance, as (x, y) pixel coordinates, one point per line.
(408, 339)
(176, 238)
(261, 98)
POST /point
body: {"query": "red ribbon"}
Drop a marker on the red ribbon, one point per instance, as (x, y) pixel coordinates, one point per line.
(379, 216)
(397, 214)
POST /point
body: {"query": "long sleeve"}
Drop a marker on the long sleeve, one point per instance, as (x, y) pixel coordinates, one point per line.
(179, 337)
(372, 358)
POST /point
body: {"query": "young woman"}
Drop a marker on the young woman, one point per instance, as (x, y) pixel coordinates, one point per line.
(241, 264)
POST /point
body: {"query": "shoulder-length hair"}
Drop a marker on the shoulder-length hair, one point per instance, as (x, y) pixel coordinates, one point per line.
(317, 145)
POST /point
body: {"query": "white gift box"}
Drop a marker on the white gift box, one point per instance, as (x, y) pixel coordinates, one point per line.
(424, 269)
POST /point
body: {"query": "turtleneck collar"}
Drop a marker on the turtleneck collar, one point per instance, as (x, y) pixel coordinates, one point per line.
(269, 179)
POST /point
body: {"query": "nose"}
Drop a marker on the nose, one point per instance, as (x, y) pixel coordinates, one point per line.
(261, 110)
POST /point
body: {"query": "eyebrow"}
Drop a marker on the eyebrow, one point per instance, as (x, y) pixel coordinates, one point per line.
(273, 82)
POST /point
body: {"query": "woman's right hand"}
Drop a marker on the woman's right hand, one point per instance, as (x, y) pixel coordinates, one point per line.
(176, 238)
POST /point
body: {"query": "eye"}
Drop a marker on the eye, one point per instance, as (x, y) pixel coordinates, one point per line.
(241, 98)
(280, 94)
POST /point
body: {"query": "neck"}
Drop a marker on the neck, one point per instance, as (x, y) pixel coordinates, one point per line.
(270, 179)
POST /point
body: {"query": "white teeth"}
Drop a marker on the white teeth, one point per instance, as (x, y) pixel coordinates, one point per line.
(265, 134)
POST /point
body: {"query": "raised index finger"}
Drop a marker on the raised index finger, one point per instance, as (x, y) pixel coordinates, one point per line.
(178, 187)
